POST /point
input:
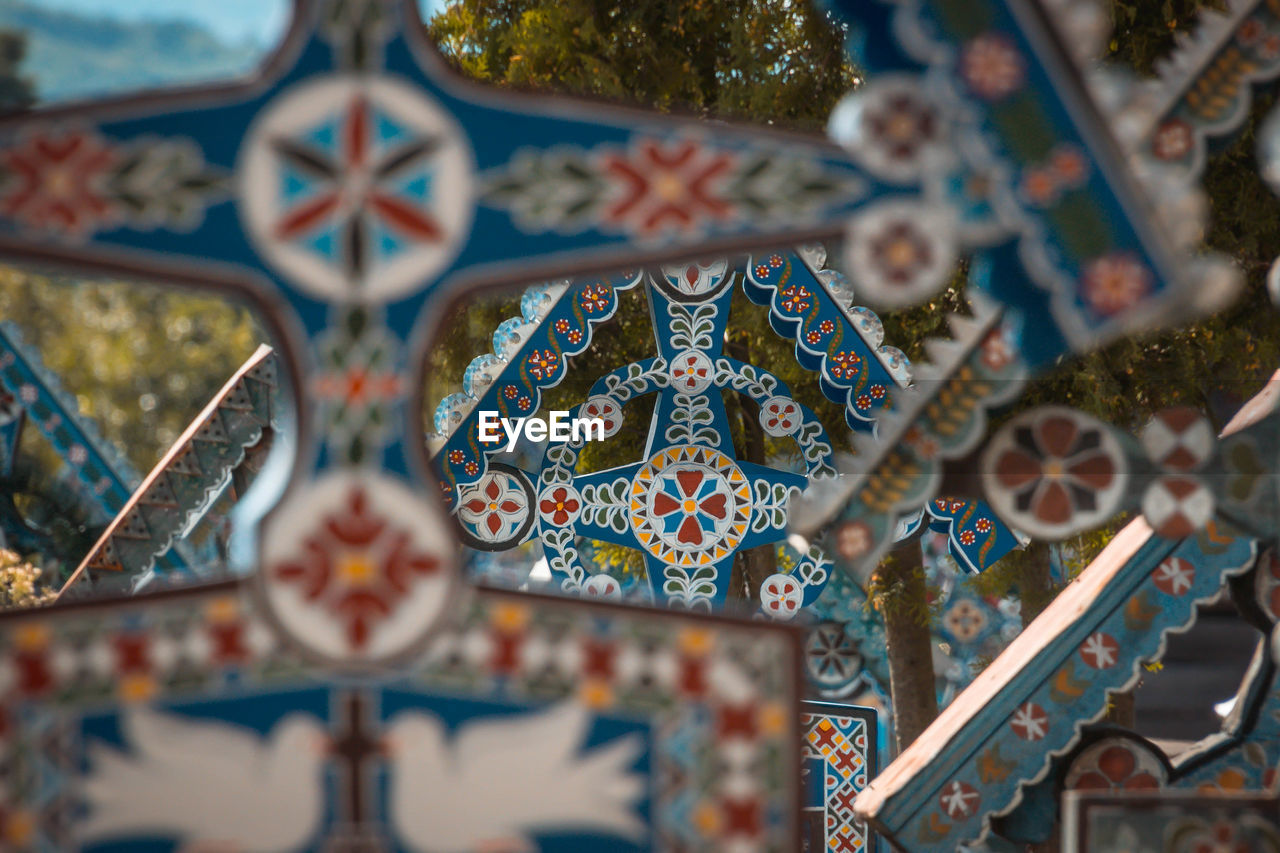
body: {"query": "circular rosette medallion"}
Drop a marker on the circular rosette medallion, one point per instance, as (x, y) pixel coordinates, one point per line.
(357, 568)
(602, 586)
(691, 372)
(690, 506)
(781, 596)
(494, 512)
(356, 187)
(1053, 472)
(607, 410)
(780, 416)
(1116, 763)
(900, 252)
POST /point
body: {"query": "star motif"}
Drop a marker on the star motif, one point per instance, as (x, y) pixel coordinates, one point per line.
(350, 195)
(1100, 650)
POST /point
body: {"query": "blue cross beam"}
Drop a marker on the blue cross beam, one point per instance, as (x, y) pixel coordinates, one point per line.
(355, 184)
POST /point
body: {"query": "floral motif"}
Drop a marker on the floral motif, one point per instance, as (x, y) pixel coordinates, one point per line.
(1173, 140)
(1174, 576)
(831, 655)
(781, 596)
(1030, 722)
(56, 182)
(356, 565)
(853, 540)
(602, 586)
(1055, 471)
(606, 410)
(844, 365)
(900, 252)
(560, 505)
(898, 131)
(359, 383)
(1177, 506)
(655, 188)
(542, 364)
(959, 800)
(780, 416)
(1115, 282)
(660, 187)
(795, 299)
(899, 249)
(596, 297)
(1251, 31)
(1069, 165)
(965, 620)
(691, 372)
(693, 279)
(1039, 186)
(72, 181)
(350, 196)
(991, 67)
(495, 507)
(1100, 650)
(1111, 766)
(690, 505)
(1178, 439)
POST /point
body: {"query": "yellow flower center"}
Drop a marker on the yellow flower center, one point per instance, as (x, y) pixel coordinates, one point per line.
(356, 567)
(901, 253)
(1052, 469)
(689, 504)
(59, 183)
(901, 126)
(669, 187)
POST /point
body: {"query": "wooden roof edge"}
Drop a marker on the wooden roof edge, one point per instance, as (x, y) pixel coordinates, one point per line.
(1072, 603)
(259, 355)
(1258, 407)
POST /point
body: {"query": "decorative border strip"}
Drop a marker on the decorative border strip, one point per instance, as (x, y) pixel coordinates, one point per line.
(1041, 692)
(721, 696)
(190, 475)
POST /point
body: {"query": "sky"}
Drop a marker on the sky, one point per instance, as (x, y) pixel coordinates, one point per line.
(233, 21)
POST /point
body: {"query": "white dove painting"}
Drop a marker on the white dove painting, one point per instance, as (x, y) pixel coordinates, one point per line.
(502, 780)
(207, 784)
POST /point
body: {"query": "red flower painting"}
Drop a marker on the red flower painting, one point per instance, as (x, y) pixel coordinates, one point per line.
(358, 566)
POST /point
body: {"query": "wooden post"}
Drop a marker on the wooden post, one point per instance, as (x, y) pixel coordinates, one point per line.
(910, 652)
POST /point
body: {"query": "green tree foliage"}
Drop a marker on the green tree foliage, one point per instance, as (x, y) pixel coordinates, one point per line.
(777, 61)
(141, 361)
(20, 582)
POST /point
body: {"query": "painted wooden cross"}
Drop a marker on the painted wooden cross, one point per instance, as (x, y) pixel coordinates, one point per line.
(355, 184)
